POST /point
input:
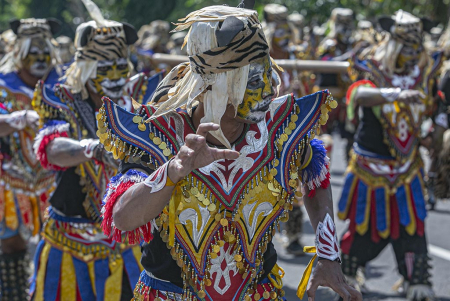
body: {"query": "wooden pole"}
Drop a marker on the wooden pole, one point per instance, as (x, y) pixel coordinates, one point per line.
(301, 65)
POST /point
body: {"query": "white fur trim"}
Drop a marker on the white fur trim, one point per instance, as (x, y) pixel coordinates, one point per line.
(59, 128)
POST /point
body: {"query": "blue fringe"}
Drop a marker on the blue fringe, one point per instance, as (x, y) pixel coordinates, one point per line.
(83, 279)
(419, 199)
(121, 178)
(131, 266)
(53, 122)
(68, 219)
(52, 274)
(343, 201)
(361, 203)
(402, 204)
(380, 203)
(318, 160)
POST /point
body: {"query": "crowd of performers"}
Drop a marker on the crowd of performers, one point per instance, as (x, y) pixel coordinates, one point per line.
(151, 181)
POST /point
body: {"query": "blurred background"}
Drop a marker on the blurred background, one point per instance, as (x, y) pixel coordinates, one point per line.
(140, 12)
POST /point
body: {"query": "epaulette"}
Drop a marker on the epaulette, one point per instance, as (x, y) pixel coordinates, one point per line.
(133, 138)
(54, 103)
(305, 117)
(141, 87)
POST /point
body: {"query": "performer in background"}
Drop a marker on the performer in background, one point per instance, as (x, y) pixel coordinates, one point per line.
(153, 38)
(283, 39)
(24, 185)
(383, 194)
(220, 170)
(175, 44)
(337, 46)
(74, 260)
(65, 49)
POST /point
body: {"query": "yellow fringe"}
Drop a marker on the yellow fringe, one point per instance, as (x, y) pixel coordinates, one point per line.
(173, 205)
(91, 269)
(36, 215)
(40, 279)
(11, 218)
(68, 278)
(307, 273)
(113, 285)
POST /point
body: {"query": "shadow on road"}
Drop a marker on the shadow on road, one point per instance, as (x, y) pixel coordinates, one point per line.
(337, 173)
(322, 294)
(439, 211)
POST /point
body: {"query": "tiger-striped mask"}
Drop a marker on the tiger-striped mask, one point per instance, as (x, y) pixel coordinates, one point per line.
(111, 77)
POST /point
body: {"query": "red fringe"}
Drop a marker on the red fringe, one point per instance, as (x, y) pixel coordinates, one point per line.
(117, 234)
(324, 184)
(42, 152)
(356, 85)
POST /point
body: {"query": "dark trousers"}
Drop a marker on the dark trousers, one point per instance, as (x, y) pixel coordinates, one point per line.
(410, 252)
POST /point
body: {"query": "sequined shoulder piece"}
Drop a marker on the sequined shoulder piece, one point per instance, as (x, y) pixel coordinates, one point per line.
(133, 138)
(53, 103)
(301, 125)
(141, 87)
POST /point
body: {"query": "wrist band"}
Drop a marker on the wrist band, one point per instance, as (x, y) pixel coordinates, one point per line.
(390, 94)
(159, 179)
(326, 240)
(89, 146)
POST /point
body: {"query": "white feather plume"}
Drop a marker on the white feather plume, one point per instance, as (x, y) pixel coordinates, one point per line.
(95, 13)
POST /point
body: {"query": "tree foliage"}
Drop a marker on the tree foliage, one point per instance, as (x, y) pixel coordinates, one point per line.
(140, 12)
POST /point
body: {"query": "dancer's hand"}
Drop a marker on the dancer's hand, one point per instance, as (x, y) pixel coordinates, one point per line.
(329, 273)
(410, 96)
(196, 153)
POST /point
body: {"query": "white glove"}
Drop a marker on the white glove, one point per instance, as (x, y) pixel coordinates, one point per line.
(20, 119)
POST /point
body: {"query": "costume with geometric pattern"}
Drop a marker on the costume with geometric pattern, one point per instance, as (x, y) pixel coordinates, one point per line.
(383, 194)
(226, 212)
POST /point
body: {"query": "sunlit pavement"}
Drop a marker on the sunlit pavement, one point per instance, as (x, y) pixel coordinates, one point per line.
(381, 273)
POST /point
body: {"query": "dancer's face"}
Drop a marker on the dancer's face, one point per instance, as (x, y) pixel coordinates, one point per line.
(38, 60)
(409, 57)
(282, 35)
(111, 77)
(259, 92)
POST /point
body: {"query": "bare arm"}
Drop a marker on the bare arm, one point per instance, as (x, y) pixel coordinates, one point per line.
(138, 205)
(319, 205)
(66, 152)
(5, 128)
(370, 97)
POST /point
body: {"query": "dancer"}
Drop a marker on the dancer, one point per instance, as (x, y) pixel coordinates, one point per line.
(210, 169)
(383, 194)
(74, 260)
(24, 185)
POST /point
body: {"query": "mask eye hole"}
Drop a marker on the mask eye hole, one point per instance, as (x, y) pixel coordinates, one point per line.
(122, 66)
(103, 68)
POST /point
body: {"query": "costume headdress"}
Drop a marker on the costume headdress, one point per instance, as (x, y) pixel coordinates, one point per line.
(25, 30)
(275, 14)
(97, 40)
(221, 44)
(154, 34)
(340, 16)
(404, 29)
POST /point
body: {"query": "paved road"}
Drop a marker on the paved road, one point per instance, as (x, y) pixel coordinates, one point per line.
(381, 273)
